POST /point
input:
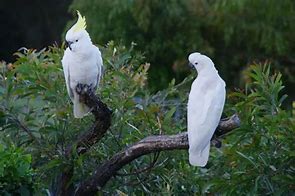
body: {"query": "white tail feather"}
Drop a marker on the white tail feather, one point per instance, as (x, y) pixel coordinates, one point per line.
(197, 158)
(80, 109)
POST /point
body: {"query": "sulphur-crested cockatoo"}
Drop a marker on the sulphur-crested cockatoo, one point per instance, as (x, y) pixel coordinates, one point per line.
(205, 106)
(82, 64)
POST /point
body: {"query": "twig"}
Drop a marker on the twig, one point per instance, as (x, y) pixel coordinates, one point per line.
(23, 127)
(138, 171)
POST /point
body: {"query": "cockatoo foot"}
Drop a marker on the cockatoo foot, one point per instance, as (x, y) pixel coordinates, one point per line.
(90, 88)
(79, 88)
(84, 88)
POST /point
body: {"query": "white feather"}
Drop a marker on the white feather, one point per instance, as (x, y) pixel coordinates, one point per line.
(205, 106)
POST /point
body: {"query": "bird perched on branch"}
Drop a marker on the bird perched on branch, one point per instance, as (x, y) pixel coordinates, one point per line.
(82, 64)
(205, 106)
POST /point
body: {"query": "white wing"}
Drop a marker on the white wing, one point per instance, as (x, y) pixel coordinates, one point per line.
(65, 65)
(99, 65)
(205, 106)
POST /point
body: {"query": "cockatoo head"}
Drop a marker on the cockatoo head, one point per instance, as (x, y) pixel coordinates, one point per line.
(200, 62)
(77, 38)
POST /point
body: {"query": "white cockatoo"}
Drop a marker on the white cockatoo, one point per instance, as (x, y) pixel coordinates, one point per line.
(82, 64)
(205, 106)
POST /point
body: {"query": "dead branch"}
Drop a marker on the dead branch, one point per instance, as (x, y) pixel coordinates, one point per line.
(108, 169)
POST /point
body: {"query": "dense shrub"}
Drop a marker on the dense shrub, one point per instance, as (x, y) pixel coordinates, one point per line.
(16, 174)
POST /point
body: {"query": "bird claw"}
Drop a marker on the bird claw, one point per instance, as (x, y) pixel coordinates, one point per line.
(84, 88)
(90, 88)
(79, 88)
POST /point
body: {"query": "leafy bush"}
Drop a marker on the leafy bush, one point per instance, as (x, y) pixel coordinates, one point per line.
(36, 115)
(16, 174)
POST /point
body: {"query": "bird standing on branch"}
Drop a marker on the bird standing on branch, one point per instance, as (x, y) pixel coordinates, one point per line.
(82, 65)
(205, 106)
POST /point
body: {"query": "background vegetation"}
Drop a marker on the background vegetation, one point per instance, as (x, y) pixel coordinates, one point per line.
(244, 38)
(233, 33)
(36, 116)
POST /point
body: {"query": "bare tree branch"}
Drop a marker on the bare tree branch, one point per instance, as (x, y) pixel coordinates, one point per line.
(108, 169)
(102, 116)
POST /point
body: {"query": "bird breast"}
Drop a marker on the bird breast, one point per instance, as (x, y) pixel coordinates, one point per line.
(83, 70)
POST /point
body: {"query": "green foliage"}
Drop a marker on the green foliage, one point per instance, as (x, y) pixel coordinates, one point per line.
(16, 174)
(36, 115)
(233, 33)
(35, 110)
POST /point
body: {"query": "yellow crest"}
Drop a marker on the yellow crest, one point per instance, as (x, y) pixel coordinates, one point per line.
(80, 24)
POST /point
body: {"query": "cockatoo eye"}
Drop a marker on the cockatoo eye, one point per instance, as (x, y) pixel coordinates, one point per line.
(196, 63)
(76, 40)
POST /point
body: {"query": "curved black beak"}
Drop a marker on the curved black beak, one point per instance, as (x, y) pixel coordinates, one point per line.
(68, 44)
(191, 65)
